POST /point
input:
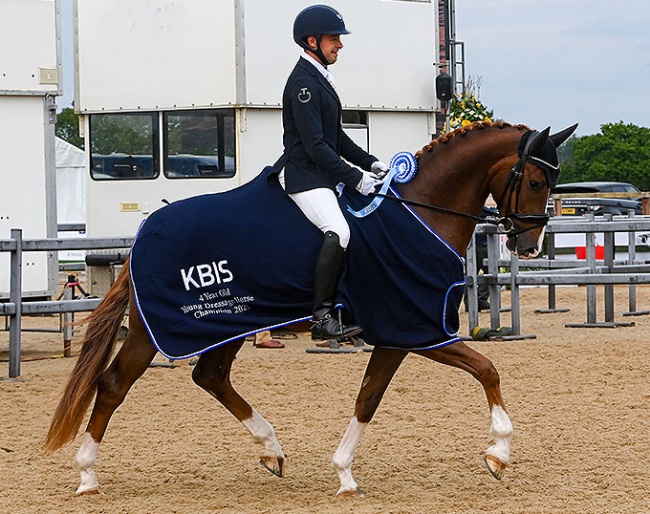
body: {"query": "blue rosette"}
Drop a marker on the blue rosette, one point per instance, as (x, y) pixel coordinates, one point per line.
(406, 166)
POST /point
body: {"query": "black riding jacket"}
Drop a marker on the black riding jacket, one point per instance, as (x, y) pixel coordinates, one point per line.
(314, 140)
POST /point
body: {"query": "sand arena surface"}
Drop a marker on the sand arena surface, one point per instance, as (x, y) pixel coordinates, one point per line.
(578, 398)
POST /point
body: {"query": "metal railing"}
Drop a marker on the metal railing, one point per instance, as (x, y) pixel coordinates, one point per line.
(15, 307)
(549, 272)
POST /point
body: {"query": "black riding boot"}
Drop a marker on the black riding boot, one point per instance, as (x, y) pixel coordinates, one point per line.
(328, 270)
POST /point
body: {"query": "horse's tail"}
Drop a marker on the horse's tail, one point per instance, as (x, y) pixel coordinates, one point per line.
(97, 347)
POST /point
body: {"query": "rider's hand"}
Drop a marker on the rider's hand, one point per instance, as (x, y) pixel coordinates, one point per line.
(380, 169)
(367, 183)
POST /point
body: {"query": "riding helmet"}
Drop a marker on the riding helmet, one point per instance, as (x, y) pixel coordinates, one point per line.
(317, 20)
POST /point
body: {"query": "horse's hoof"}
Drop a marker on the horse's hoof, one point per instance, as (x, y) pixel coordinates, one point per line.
(274, 464)
(495, 466)
(357, 493)
(87, 492)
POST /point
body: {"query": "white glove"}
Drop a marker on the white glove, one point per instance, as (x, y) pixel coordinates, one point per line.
(380, 169)
(367, 183)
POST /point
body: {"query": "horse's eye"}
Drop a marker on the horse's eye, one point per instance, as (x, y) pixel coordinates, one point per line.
(535, 185)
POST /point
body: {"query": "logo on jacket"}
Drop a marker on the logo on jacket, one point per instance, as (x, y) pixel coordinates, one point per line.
(304, 95)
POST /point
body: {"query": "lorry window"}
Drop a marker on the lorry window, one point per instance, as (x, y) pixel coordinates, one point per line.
(356, 119)
(199, 143)
(124, 146)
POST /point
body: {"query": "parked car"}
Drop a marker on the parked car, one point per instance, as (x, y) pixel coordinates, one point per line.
(598, 206)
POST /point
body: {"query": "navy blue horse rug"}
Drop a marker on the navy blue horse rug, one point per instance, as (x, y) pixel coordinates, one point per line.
(218, 267)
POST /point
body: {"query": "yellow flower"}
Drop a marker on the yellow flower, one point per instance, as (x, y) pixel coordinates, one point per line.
(487, 118)
(464, 123)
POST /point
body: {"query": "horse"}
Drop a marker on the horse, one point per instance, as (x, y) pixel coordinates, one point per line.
(456, 174)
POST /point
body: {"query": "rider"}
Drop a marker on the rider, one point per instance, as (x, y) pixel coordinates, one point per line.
(314, 147)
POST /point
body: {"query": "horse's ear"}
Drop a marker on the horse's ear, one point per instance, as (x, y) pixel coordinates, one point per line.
(562, 136)
(538, 141)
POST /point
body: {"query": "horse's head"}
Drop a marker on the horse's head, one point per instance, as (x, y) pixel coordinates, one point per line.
(522, 190)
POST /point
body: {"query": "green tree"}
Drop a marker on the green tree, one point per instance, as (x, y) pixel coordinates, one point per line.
(620, 152)
(67, 127)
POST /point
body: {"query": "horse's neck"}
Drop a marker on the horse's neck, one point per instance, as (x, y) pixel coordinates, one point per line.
(454, 178)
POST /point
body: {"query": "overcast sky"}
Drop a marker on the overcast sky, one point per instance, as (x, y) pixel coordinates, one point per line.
(557, 62)
(541, 62)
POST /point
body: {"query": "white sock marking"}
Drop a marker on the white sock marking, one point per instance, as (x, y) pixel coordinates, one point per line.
(84, 461)
(263, 434)
(501, 429)
(344, 455)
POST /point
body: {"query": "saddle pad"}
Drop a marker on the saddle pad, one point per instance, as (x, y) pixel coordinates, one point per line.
(214, 268)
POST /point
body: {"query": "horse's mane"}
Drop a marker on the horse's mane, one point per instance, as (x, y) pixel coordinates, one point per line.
(461, 131)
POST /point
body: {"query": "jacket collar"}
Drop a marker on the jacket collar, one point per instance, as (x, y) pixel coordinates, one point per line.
(309, 67)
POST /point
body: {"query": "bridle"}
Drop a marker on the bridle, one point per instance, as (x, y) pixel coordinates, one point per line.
(513, 185)
(506, 224)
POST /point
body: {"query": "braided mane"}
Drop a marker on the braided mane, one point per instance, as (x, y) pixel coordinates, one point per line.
(461, 131)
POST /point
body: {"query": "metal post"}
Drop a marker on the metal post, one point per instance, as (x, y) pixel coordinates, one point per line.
(551, 256)
(15, 297)
(552, 298)
(472, 286)
(591, 263)
(609, 262)
(493, 270)
(514, 295)
(631, 260)
(68, 294)
(631, 257)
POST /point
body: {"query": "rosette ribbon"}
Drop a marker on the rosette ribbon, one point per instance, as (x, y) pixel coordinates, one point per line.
(403, 167)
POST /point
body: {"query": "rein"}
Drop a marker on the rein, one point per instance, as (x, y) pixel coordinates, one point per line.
(492, 220)
(505, 224)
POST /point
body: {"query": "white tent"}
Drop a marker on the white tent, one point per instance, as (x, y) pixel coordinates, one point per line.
(70, 193)
(70, 183)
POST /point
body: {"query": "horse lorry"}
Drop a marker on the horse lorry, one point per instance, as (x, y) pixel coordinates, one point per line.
(30, 71)
(178, 99)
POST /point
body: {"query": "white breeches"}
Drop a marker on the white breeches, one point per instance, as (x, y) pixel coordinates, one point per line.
(321, 207)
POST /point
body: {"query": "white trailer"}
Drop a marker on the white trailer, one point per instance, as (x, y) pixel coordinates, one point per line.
(29, 81)
(183, 98)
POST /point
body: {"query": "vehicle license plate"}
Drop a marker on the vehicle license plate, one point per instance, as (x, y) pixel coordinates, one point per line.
(568, 210)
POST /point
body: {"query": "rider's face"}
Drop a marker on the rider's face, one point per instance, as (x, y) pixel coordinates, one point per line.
(330, 44)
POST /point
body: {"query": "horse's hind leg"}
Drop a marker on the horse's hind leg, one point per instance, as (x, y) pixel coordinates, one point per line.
(129, 364)
(480, 367)
(380, 370)
(212, 373)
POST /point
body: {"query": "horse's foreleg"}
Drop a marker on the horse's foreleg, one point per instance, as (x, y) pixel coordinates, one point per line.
(129, 364)
(381, 368)
(480, 367)
(212, 373)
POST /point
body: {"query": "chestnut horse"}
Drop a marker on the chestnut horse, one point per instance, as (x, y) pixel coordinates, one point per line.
(456, 173)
